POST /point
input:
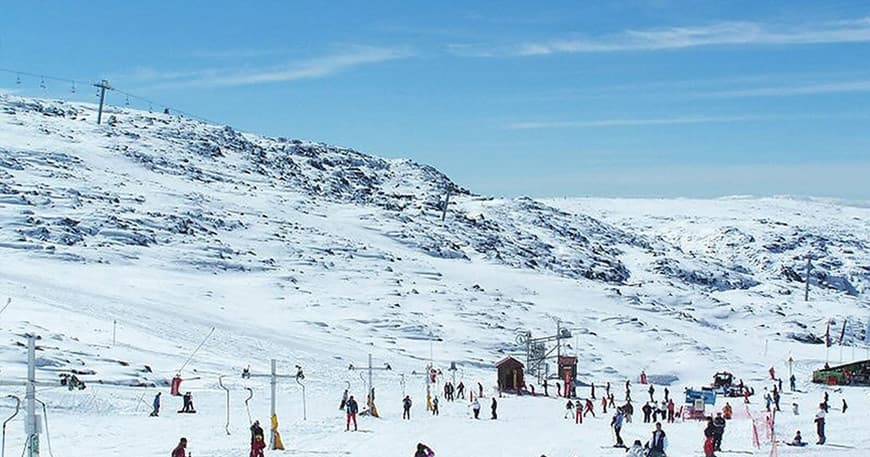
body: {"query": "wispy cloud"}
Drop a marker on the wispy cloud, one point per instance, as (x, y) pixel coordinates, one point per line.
(717, 34)
(531, 125)
(318, 67)
(793, 90)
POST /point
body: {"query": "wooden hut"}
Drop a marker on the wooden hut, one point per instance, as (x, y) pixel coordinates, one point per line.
(510, 374)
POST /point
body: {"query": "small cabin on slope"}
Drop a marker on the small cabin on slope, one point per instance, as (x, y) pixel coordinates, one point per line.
(510, 374)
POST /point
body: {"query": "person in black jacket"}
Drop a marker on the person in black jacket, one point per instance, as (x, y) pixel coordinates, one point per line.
(658, 443)
(709, 433)
(494, 408)
(406, 408)
(719, 424)
(424, 451)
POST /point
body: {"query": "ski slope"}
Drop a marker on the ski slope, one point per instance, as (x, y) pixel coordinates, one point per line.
(163, 228)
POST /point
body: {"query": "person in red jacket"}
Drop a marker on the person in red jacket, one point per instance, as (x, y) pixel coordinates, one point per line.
(257, 446)
(179, 450)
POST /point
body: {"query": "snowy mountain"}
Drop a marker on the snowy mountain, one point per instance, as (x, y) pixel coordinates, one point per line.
(318, 254)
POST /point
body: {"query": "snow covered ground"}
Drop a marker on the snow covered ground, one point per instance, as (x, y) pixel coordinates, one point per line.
(318, 255)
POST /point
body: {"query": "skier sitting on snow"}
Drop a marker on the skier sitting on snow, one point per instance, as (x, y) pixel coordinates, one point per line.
(798, 440)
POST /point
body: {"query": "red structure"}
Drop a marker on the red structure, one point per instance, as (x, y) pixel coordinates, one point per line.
(510, 374)
(568, 372)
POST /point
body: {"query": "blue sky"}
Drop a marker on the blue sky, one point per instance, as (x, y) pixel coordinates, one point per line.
(622, 98)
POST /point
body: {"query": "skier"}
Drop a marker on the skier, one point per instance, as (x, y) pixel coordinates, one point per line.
(406, 408)
(642, 377)
(607, 389)
(343, 400)
(616, 423)
(479, 390)
(569, 408)
(820, 423)
(767, 401)
(558, 389)
(779, 383)
(727, 411)
(845, 406)
(546, 393)
(792, 381)
(672, 407)
(667, 394)
(636, 450)
(435, 406)
(719, 424)
(494, 407)
(798, 440)
(592, 394)
(827, 406)
(156, 405)
(647, 412)
(772, 374)
(659, 442)
(188, 403)
(351, 408)
(179, 450)
(709, 433)
(604, 404)
(589, 408)
(256, 431)
(651, 391)
(611, 400)
(424, 451)
(460, 390)
(475, 408)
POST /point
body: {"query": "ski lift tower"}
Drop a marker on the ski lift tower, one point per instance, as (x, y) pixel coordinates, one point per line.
(540, 350)
(32, 421)
(370, 369)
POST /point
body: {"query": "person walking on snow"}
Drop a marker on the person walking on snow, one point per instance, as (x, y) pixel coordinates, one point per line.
(667, 395)
(589, 408)
(659, 442)
(179, 450)
(616, 423)
(820, 424)
(460, 390)
(578, 415)
(604, 405)
(475, 408)
(569, 408)
(772, 374)
(642, 377)
(406, 408)
(351, 409)
(546, 392)
(435, 406)
(672, 407)
(494, 407)
(792, 380)
(651, 391)
(156, 405)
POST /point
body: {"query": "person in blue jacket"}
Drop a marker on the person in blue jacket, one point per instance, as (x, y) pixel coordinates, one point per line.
(156, 405)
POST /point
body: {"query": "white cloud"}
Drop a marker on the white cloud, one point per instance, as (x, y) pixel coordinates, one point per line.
(297, 70)
(717, 34)
(785, 91)
(530, 125)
